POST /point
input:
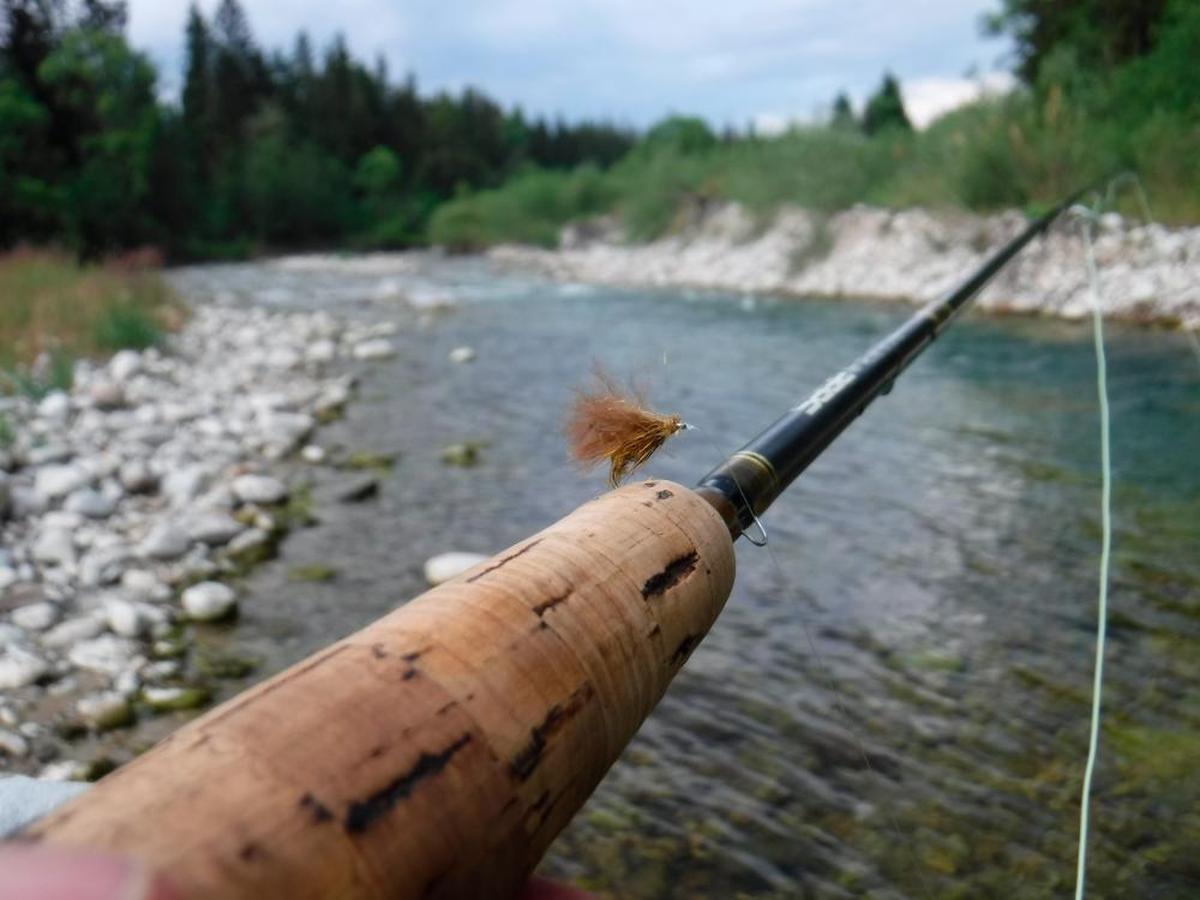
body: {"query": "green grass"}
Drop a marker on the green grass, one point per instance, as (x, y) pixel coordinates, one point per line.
(127, 327)
(55, 311)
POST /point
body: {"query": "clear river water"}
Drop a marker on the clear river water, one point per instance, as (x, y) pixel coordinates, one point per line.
(895, 700)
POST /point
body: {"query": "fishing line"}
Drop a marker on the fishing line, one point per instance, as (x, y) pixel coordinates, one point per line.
(1088, 219)
(824, 673)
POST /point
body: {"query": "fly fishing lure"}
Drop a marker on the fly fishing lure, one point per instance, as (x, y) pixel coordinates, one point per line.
(607, 423)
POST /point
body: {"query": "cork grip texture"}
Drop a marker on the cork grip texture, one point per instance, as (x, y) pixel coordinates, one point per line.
(439, 751)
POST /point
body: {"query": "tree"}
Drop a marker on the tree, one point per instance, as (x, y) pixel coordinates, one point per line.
(377, 175)
(842, 116)
(885, 108)
(106, 90)
(1103, 34)
(685, 134)
(197, 81)
(29, 203)
(239, 76)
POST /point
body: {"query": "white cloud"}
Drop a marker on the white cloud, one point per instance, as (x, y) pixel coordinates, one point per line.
(925, 99)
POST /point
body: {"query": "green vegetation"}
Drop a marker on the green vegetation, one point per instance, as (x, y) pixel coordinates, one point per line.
(1083, 111)
(216, 662)
(367, 461)
(55, 311)
(312, 147)
(262, 150)
(314, 572)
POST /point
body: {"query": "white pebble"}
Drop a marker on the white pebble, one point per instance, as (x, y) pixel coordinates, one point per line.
(261, 489)
(35, 616)
(446, 566)
(208, 601)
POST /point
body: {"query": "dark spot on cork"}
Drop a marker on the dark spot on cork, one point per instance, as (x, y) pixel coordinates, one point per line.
(541, 809)
(541, 609)
(664, 494)
(379, 651)
(675, 572)
(549, 807)
(505, 561)
(649, 484)
(655, 631)
(415, 655)
(530, 757)
(446, 707)
(320, 812)
(684, 648)
(543, 625)
(378, 751)
(647, 504)
(250, 852)
(363, 813)
(410, 674)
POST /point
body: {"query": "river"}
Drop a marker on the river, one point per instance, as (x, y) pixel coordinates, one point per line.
(895, 700)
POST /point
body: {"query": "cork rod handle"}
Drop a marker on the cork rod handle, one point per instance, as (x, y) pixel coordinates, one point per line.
(439, 751)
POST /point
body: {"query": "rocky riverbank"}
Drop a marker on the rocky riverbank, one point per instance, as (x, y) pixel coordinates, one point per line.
(128, 505)
(1148, 273)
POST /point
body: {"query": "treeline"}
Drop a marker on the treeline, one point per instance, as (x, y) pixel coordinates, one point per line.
(264, 149)
(1106, 86)
(311, 146)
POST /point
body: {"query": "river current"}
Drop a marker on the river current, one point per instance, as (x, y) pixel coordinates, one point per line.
(894, 702)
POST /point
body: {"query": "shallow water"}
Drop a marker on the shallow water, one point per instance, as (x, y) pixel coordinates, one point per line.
(894, 701)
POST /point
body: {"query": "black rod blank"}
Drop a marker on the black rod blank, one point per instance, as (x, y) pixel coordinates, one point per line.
(743, 486)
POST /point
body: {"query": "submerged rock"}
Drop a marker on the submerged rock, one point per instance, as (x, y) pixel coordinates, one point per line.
(462, 355)
(356, 490)
(465, 454)
(171, 699)
(376, 348)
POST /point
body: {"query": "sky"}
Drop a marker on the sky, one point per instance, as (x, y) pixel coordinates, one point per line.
(735, 62)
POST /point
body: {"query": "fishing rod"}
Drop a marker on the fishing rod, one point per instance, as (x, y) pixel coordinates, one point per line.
(743, 486)
(441, 749)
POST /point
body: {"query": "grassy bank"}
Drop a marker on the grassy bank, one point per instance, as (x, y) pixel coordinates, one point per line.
(1025, 150)
(55, 311)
